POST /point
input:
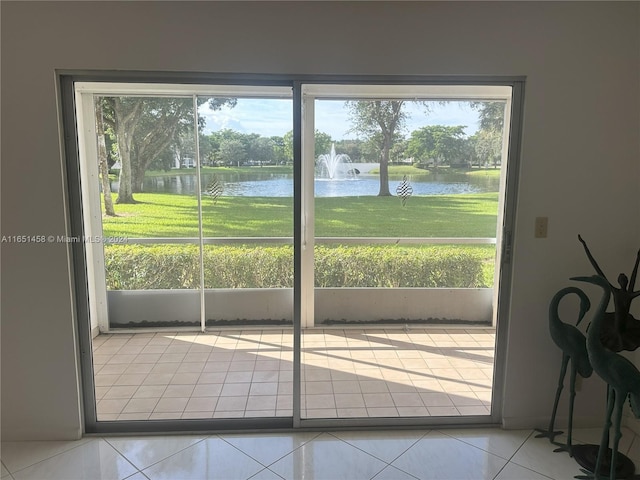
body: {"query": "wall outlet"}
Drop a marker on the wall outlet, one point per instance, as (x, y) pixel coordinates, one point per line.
(542, 224)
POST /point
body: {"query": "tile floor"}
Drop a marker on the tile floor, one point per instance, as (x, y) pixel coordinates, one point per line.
(248, 373)
(476, 454)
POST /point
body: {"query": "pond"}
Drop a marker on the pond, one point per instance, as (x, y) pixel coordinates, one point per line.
(281, 185)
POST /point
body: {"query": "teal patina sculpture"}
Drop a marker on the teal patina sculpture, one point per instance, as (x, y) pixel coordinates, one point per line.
(622, 377)
(572, 342)
(620, 330)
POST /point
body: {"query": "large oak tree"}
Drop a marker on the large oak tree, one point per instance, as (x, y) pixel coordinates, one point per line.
(145, 127)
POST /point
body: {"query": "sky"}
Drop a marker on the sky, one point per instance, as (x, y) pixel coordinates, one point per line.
(273, 117)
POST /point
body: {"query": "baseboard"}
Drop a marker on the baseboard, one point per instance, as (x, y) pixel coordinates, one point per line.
(28, 434)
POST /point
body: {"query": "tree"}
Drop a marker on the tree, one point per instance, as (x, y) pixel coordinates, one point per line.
(322, 143)
(261, 150)
(145, 127)
(233, 151)
(488, 147)
(489, 138)
(440, 143)
(278, 149)
(103, 164)
(379, 121)
(353, 148)
(491, 114)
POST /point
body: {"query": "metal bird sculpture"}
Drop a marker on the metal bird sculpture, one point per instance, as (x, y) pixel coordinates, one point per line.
(572, 342)
(622, 377)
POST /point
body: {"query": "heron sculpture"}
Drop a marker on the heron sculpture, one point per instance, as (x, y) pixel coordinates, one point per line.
(572, 342)
(622, 377)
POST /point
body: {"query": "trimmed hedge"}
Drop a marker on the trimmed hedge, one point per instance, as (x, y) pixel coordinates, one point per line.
(141, 267)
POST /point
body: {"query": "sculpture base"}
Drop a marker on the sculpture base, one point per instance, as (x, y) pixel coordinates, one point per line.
(587, 455)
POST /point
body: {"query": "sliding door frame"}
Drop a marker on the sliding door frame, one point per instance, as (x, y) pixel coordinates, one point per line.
(66, 81)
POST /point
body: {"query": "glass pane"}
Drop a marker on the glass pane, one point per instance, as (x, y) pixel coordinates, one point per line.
(149, 207)
(247, 217)
(406, 217)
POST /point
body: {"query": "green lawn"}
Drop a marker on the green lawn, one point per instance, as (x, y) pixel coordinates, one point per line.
(168, 215)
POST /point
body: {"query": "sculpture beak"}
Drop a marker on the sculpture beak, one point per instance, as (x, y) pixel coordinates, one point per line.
(582, 279)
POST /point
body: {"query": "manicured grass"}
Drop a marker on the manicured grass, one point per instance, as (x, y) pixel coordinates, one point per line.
(403, 170)
(167, 215)
(485, 172)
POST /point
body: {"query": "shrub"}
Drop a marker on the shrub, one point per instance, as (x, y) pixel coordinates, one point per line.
(137, 267)
(393, 266)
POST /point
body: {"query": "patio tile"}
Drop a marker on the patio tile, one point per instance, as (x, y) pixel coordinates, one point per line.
(201, 404)
(230, 404)
(382, 411)
(115, 369)
(171, 357)
(373, 400)
(262, 402)
(139, 368)
(184, 378)
(407, 399)
(166, 405)
(345, 386)
(374, 386)
(131, 379)
(349, 373)
(320, 401)
(106, 380)
(315, 388)
(235, 389)
(207, 390)
(148, 358)
(268, 388)
(178, 391)
(265, 376)
(158, 379)
(238, 377)
(121, 391)
(349, 400)
(115, 405)
(140, 405)
(211, 377)
(149, 391)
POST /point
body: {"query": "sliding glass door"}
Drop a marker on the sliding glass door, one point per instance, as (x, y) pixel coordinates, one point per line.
(405, 203)
(202, 308)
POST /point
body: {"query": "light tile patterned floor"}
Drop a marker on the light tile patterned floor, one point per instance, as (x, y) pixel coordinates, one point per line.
(248, 373)
(478, 454)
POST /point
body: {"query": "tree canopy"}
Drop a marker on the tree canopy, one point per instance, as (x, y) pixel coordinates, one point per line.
(381, 122)
(438, 143)
(145, 127)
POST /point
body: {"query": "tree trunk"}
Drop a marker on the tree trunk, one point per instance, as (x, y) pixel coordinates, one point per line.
(384, 171)
(102, 162)
(125, 125)
(137, 178)
(125, 194)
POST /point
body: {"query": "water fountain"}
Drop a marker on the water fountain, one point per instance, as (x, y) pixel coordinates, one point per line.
(335, 166)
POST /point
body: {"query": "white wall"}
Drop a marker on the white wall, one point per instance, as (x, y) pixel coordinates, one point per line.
(580, 158)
